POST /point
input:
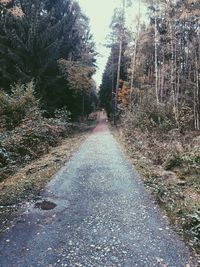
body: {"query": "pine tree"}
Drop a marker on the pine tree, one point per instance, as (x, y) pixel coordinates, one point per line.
(35, 35)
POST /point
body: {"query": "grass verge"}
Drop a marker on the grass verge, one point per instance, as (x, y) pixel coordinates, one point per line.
(176, 188)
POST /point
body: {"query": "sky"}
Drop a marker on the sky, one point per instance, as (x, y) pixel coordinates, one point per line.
(100, 13)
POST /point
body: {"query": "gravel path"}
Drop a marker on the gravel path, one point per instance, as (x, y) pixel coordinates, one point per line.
(101, 216)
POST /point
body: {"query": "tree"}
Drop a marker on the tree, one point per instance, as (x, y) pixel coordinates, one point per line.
(116, 67)
(35, 35)
(166, 60)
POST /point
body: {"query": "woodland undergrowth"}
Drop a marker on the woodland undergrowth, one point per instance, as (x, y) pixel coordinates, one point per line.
(168, 158)
(25, 133)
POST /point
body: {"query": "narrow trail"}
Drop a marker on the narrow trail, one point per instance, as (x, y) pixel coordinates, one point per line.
(94, 213)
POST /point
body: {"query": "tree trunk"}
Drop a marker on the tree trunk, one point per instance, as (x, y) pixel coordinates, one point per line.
(156, 56)
(121, 34)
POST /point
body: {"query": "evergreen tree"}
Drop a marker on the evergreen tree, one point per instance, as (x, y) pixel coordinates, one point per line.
(34, 36)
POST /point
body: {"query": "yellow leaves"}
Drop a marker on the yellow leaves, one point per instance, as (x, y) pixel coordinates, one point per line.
(16, 11)
(124, 95)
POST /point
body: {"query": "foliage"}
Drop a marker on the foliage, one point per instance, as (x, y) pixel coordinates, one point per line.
(77, 75)
(63, 114)
(5, 157)
(33, 137)
(153, 58)
(34, 35)
(148, 116)
(29, 134)
(160, 108)
(173, 161)
(177, 188)
(192, 225)
(14, 106)
(109, 80)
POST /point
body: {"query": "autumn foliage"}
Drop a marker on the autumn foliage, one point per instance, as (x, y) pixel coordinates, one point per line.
(25, 133)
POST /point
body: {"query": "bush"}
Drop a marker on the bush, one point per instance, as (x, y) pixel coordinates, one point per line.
(172, 162)
(62, 119)
(14, 106)
(161, 117)
(185, 118)
(150, 116)
(27, 133)
(195, 160)
(192, 225)
(30, 139)
(135, 119)
(5, 157)
(34, 135)
(63, 115)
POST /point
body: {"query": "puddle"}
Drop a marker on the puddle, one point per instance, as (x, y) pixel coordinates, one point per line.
(45, 205)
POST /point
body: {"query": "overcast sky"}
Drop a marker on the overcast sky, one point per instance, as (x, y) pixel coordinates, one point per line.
(100, 13)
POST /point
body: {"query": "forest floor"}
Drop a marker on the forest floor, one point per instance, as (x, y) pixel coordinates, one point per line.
(94, 212)
(177, 191)
(29, 180)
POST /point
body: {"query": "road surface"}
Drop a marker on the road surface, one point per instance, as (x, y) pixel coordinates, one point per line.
(94, 213)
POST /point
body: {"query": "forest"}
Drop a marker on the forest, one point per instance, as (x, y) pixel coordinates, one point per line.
(151, 92)
(40, 42)
(159, 64)
(47, 59)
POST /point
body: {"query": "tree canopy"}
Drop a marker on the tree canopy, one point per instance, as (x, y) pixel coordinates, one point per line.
(34, 36)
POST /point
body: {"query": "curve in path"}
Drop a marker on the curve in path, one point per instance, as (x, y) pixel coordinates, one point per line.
(101, 216)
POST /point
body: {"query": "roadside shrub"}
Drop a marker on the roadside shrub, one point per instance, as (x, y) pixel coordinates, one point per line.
(161, 117)
(192, 225)
(63, 121)
(132, 119)
(149, 116)
(63, 115)
(27, 134)
(30, 140)
(195, 160)
(185, 118)
(172, 162)
(14, 106)
(5, 157)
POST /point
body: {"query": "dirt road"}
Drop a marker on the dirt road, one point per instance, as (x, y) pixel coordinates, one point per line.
(94, 213)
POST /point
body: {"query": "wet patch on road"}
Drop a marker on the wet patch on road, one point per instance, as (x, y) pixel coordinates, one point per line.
(45, 205)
